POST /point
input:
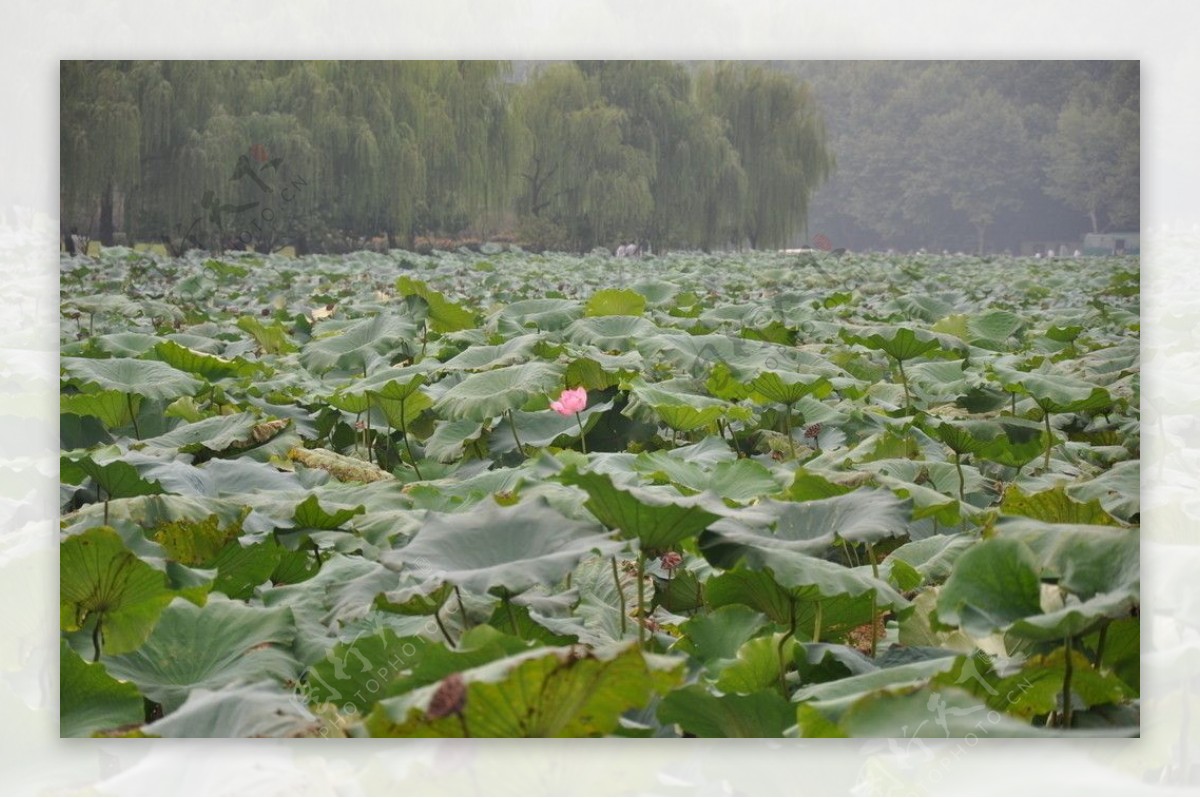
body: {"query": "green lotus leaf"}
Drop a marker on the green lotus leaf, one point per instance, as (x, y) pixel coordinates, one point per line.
(444, 315)
(1118, 490)
(904, 343)
(90, 700)
(209, 647)
(146, 378)
(995, 326)
(482, 397)
(756, 666)
(739, 480)
(905, 713)
(865, 516)
(548, 692)
(209, 366)
(116, 478)
(1036, 689)
(1087, 560)
(272, 339)
(489, 548)
(615, 302)
(114, 408)
(610, 333)
(107, 588)
(933, 557)
(450, 439)
(216, 434)
(357, 346)
(538, 314)
(310, 514)
(656, 519)
(390, 383)
(701, 714)
(1054, 506)
(993, 584)
(802, 580)
(788, 387)
(714, 638)
(482, 357)
(544, 427)
(1056, 393)
(260, 709)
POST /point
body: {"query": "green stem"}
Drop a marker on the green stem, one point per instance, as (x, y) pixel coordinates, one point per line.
(449, 640)
(817, 624)
(367, 430)
(96, 638)
(641, 596)
(582, 442)
(874, 595)
(513, 426)
(1049, 438)
(462, 609)
(787, 425)
(904, 382)
(791, 633)
(512, 621)
(407, 445)
(962, 482)
(133, 416)
(620, 594)
(1066, 691)
(1100, 644)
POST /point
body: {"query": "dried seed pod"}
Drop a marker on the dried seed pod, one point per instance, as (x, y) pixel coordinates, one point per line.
(449, 698)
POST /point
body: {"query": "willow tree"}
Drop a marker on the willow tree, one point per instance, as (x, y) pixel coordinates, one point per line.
(99, 144)
(775, 127)
(579, 173)
(697, 183)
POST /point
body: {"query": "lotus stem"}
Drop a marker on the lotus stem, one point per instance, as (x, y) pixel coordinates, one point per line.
(1066, 691)
(791, 633)
(1049, 438)
(874, 595)
(133, 416)
(449, 640)
(962, 482)
(904, 382)
(462, 609)
(407, 445)
(96, 638)
(1100, 644)
(641, 598)
(512, 424)
(620, 594)
(582, 442)
(512, 620)
(787, 426)
(367, 430)
(817, 624)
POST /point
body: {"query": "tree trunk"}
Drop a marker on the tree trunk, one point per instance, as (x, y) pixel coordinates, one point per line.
(106, 216)
(1095, 226)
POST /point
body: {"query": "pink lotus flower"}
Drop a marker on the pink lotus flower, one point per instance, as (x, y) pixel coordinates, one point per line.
(570, 402)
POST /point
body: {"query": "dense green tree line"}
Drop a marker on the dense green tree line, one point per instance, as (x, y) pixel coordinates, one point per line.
(571, 155)
(578, 155)
(976, 155)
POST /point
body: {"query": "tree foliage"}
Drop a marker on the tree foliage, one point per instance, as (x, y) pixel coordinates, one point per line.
(331, 155)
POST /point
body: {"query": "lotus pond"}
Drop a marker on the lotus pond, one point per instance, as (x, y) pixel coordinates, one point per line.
(775, 495)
